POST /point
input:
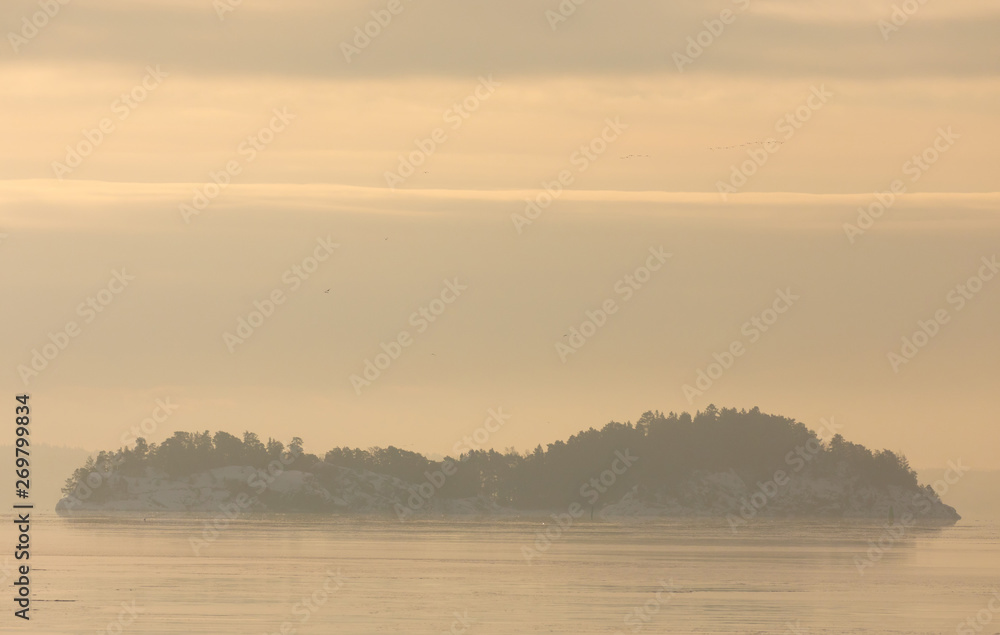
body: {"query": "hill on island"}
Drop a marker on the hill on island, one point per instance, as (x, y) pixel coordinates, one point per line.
(739, 464)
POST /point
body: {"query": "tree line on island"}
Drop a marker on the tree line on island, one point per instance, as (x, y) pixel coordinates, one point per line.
(668, 449)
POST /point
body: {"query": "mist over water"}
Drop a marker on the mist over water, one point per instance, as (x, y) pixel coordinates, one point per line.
(514, 317)
(351, 575)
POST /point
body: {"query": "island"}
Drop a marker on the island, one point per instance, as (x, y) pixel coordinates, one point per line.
(739, 465)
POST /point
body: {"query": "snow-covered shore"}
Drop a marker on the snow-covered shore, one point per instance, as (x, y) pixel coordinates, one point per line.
(327, 488)
(724, 494)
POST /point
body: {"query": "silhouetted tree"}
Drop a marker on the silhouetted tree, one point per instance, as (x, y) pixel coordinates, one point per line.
(670, 449)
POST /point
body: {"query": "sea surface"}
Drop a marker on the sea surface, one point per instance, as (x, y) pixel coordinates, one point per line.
(311, 574)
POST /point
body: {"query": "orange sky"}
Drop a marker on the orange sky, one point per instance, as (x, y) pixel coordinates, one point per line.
(164, 103)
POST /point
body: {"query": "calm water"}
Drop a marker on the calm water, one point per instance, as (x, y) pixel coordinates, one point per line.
(775, 577)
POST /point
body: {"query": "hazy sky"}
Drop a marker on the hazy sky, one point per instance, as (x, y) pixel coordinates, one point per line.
(599, 101)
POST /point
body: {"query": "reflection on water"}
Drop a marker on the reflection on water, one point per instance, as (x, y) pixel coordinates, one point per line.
(311, 574)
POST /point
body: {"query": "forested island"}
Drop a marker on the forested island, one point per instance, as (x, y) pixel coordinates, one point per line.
(738, 464)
